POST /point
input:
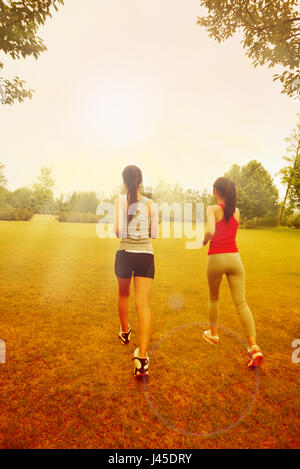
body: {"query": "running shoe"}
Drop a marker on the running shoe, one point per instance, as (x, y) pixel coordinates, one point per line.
(141, 365)
(125, 336)
(212, 339)
(255, 356)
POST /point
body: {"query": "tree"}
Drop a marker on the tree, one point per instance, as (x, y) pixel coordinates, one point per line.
(270, 32)
(3, 191)
(166, 193)
(3, 180)
(147, 192)
(22, 198)
(257, 195)
(43, 191)
(207, 199)
(234, 174)
(114, 194)
(4, 196)
(19, 24)
(192, 196)
(84, 202)
(291, 172)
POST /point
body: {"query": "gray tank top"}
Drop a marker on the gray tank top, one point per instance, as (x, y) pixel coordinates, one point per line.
(138, 239)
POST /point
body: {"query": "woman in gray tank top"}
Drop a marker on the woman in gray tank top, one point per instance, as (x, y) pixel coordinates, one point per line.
(136, 222)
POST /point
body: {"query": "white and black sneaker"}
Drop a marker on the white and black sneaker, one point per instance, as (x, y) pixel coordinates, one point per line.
(141, 365)
(125, 336)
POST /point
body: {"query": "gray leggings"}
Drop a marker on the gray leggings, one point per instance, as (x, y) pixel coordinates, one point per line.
(231, 265)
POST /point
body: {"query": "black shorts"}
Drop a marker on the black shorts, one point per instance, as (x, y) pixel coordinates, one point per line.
(140, 264)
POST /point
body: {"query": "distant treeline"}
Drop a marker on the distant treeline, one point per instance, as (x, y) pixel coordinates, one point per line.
(258, 198)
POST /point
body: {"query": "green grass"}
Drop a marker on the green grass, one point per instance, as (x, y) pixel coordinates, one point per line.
(68, 382)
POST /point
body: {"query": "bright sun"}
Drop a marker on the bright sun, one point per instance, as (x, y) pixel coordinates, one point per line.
(119, 112)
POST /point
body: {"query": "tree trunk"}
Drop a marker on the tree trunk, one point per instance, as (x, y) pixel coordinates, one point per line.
(284, 202)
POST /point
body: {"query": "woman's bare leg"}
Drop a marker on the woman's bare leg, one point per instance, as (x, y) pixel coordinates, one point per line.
(123, 303)
(143, 288)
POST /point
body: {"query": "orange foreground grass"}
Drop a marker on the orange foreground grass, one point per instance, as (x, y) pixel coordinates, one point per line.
(69, 383)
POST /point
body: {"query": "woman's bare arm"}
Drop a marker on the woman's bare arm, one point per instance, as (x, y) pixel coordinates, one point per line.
(211, 224)
(120, 217)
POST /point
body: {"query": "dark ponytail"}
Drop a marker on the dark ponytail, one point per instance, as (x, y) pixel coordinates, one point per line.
(132, 177)
(227, 190)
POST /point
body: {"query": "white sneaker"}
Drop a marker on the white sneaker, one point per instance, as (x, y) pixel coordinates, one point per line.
(212, 339)
(255, 356)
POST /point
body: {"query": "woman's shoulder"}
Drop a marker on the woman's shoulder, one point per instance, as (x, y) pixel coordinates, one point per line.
(237, 214)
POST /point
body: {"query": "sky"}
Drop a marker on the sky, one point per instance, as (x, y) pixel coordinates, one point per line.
(139, 82)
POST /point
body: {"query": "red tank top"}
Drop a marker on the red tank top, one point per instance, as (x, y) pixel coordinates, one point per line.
(224, 238)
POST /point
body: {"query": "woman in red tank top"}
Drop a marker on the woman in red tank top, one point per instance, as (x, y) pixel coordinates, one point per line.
(224, 258)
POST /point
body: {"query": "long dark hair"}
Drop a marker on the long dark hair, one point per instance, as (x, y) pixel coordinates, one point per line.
(227, 191)
(132, 177)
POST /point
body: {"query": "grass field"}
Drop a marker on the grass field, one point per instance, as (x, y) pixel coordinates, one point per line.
(69, 383)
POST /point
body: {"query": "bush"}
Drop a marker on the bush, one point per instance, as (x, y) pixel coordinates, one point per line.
(9, 213)
(77, 217)
(268, 220)
(24, 214)
(285, 218)
(293, 221)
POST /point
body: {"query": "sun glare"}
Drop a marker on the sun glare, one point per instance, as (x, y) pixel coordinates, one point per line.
(120, 112)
